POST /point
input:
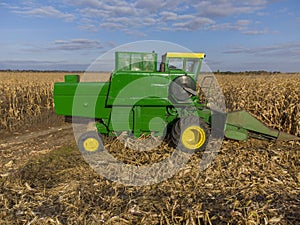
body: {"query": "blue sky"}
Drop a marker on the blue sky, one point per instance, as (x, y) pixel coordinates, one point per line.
(235, 35)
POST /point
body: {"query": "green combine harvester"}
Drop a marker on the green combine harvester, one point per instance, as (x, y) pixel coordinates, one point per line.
(142, 100)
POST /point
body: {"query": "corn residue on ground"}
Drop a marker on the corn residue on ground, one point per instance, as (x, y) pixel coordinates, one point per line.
(248, 183)
(45, 180)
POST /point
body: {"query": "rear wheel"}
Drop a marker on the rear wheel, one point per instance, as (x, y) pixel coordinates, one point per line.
(90, 142)
(190, 134)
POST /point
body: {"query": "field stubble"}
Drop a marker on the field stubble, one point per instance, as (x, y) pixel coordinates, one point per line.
(253, 182)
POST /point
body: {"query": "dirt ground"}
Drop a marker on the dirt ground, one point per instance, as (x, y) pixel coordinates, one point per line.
(17, 148)
(45, 180)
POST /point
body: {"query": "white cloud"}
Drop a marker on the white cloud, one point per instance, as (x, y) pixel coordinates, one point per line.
(4, 4)
(135, 33)
(172, 16)
(167, 16)
(120, 23)
(111, 44)
(194, 24)
(139, 15)
(112, 8)
(282, 49)
(85, 3)
(46, 11)
(75, 44)
(93, 13)
(148, 21)
(224, 8)
(243, 22)
(112, 26)
(150, 5)
(240, 25)
(87, 24)
(256, 32)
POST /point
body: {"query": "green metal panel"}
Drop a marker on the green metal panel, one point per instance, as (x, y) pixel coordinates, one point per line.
(204, 114)
(121, 119)
(149, 119)
(101, 128)
(236, 133)
(132, 88)
(86, 99)
(72, 78)
(139, 120)
(243, 119)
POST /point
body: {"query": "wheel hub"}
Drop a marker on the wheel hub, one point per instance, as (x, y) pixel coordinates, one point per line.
(91, 144)
(193, 137)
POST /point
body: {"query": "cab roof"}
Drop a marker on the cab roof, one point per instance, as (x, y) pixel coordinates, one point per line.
(185, 55)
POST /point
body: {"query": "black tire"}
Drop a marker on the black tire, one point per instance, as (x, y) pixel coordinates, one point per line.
(90, 143)
(190, 125)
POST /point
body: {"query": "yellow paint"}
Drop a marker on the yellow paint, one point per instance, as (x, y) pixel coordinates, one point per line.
(193, 137)
(91, 144)
(185, 55)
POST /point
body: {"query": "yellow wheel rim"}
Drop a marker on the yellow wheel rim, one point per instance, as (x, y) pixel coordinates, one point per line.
(193, 137)
(91, 144)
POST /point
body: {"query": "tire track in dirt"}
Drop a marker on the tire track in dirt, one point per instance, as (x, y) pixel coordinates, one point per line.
(16, 150)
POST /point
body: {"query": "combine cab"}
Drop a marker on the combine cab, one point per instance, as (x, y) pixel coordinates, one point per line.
(140, 99)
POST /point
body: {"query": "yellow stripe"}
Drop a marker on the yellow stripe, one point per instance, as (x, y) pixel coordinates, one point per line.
(185, 55)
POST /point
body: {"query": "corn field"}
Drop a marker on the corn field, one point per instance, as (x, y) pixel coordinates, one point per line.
(273, 99)
(26, 100)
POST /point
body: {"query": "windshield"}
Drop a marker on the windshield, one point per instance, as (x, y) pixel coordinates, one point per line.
(176, 63)
(188, 65)
(192, 65)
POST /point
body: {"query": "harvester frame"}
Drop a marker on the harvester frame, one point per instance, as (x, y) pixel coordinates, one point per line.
(140, 99)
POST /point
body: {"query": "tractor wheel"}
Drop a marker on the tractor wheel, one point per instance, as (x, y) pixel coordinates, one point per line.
(190, 134)
(90, 142)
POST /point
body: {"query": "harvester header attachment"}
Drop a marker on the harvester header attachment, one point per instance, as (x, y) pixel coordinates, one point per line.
(240, 125)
